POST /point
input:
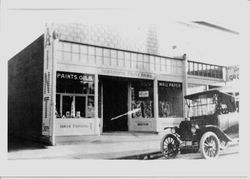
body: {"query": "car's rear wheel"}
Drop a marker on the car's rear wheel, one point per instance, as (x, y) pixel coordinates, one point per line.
(209, 145)
(170, 146)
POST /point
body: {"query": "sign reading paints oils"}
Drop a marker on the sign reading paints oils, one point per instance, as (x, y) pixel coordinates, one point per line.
(75, 76)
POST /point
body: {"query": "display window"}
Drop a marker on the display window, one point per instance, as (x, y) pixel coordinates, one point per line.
(142, 98)
(74, 95)
(170, 99)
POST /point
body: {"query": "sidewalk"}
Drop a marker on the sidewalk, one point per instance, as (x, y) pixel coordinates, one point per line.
(115, 145)
(106, 146)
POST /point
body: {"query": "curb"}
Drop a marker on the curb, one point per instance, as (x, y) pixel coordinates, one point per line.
(143, 156)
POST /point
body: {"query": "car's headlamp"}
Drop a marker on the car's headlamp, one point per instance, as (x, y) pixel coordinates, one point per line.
(173, 130)
(193, 129)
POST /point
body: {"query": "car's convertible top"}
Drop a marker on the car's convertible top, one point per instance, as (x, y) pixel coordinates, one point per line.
(222, 91)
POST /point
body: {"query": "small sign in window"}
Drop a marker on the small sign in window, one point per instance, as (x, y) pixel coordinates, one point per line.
(143, 94)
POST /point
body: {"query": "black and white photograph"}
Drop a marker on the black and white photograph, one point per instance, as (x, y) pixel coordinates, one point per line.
(125, 85)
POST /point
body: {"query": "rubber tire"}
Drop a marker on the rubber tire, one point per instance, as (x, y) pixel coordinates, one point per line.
(202, 145)
(175, 141)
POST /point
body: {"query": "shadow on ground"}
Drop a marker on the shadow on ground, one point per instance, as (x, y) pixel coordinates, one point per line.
(15, 145)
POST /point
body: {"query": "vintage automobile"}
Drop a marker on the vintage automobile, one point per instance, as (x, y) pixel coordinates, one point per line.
(212, 122)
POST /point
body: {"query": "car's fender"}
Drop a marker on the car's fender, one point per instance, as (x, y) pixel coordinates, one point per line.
(221, 135)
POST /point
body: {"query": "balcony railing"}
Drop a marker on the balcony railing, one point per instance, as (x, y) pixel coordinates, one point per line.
(206, 70)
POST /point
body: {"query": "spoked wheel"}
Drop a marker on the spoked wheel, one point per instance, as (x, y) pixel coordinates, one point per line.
(209, 145)
(170, 146)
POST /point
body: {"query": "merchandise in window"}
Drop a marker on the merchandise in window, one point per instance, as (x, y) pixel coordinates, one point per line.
(74, 95)
(142, 98)
(170, 99)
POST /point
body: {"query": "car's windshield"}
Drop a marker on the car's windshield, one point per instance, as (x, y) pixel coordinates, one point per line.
(202, 105)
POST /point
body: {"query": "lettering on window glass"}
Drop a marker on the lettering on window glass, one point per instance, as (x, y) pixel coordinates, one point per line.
(142, 98)
(75, 95)
(170, 99)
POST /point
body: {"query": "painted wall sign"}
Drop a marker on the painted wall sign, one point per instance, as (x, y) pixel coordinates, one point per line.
(47, 85)
(170, 84)
(71, 126)
(233, 73)
(74, 126)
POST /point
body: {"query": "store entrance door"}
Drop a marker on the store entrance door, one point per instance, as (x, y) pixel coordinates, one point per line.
(115, 103)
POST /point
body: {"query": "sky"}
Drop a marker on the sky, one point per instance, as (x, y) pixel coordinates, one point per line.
(22, 21)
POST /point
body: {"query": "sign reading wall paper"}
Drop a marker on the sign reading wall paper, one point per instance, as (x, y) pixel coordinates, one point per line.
(47, 85)
(167, 84)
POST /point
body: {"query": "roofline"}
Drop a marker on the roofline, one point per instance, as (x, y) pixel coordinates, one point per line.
(28, 46)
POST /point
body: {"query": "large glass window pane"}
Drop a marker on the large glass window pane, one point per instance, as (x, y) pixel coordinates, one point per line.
(75, 83)
(170, 99)
(75, 95)
(142, 98)
(80, 106)
(90, 111)
(67, 106)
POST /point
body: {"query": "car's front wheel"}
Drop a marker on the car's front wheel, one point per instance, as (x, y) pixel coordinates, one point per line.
(170, 146)
(209, 145)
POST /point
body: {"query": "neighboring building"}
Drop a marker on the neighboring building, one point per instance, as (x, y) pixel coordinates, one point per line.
(80, 80)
